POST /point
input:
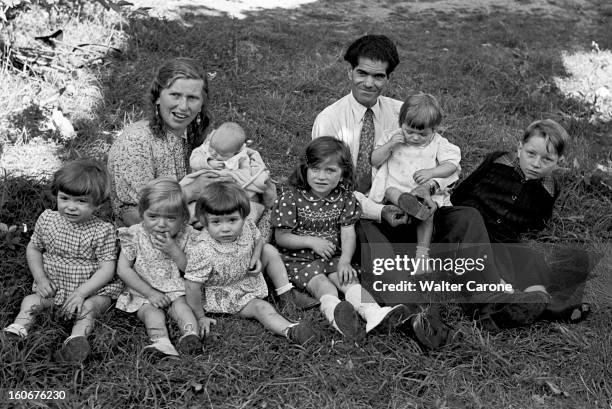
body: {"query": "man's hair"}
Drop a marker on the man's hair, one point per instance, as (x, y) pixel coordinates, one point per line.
(83, 177)
(554, 134)
(374, 47)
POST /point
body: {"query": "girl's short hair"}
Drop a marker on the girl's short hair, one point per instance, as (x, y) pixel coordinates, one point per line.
(83, 177)
(167, 73)
(554, 134)
(167, 192)
(221, 198)
(318, 151)
(420, 111)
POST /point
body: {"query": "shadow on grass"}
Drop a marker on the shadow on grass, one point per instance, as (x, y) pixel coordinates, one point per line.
(274, 72)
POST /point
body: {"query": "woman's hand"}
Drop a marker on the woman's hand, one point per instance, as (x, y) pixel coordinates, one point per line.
(322, 247)
(159, 299)
(216, 164)
(204, 324)
(73, 304)
(45, 287)
(346, 273)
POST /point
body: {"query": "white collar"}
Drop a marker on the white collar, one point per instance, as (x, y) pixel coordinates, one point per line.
(360, 110)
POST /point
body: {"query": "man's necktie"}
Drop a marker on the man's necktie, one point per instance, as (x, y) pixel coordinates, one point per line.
(363, 173)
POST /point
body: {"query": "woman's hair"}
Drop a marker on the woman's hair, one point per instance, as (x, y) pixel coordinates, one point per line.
(168, 72)
(221, 198)
(318, 151)
(167, 192)
(420, 111)
(83, 177)
(554, 134)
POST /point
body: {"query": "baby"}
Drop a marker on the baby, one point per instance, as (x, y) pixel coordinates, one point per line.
(225, 152)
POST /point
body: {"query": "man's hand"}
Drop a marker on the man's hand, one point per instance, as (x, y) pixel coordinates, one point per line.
(394, 216)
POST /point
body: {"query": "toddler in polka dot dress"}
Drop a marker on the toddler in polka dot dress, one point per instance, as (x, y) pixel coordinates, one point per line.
(314, 224)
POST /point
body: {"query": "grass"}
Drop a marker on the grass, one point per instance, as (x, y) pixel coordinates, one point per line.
(494, 73)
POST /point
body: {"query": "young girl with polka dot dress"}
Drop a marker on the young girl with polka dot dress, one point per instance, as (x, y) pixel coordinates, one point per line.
(315, 232)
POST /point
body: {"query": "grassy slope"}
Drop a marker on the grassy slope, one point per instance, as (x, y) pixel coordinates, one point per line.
(493, 74)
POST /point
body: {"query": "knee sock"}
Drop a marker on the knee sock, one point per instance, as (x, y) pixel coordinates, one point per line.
(365, 309)
(283, 289)
(328, 304)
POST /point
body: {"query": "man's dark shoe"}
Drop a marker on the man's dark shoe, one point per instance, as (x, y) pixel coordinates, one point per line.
(571, 314)
(298, 299)
(349, 323)
(507, 310)
(426, 328)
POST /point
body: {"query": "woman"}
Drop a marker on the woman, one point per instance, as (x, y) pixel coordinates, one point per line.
(161, 145)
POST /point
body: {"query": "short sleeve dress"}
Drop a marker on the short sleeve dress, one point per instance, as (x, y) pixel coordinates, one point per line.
(305, 214)
(72, 252)
(228, 287)
(153, 266)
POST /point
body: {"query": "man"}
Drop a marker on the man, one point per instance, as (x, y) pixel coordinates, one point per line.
(360, 120)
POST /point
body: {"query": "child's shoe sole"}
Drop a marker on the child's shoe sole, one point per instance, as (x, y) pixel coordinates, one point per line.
(349, 323)
(413, 206)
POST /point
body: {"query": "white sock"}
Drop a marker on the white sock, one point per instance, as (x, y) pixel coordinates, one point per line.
(366, 310)
(17, 329)
(328, 304)
(283, 289)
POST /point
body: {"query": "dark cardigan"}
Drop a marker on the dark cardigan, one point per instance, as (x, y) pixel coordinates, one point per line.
(509, 204)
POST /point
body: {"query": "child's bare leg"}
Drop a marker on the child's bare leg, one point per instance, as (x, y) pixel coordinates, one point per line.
(76, 348)
(392, 194)
(424, 232)
(154, 320)
(155, 323)
(265, 313)
(24, 318)
(340, 314)
(376, 317)
(274, 267)
(188, 324)
(92, 308)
